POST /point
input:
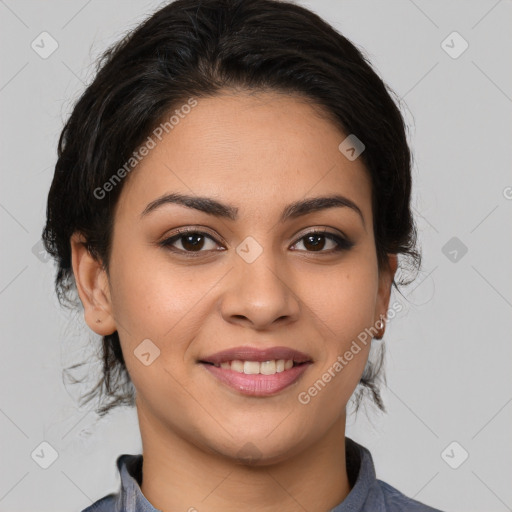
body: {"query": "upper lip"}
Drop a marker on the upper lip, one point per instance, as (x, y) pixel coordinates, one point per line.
(256, 354)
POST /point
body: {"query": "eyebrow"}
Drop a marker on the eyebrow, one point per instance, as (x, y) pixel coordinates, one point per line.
(221, 210)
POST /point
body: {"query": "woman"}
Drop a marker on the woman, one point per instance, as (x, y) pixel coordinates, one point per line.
(230, 199)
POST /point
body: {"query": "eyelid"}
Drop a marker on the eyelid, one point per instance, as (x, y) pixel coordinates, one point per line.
(320, 230)
(202, 230)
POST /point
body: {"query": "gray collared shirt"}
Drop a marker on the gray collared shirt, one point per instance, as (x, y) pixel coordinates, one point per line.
(367, 494)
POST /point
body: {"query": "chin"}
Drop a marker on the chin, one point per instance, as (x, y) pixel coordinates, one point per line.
(257, 450)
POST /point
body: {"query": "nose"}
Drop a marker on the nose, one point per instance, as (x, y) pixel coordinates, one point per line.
(260, 294)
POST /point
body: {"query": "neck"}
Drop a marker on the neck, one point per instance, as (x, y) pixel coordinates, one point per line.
(178, 475)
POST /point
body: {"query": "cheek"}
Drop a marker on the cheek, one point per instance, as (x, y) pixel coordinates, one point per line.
(351, 308)
(149, 296)
(345, 348)
(153, 302)
(167, 304)
(342, 303)
(342, 299)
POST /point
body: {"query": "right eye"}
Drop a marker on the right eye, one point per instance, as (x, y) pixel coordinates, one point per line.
(191, 241)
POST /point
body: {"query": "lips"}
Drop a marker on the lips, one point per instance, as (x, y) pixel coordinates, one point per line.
(257, 372)
(259, 355)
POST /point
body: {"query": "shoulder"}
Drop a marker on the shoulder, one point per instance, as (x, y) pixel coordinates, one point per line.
(105, 504)
(395, 501)
(129, 468)
(368, 494)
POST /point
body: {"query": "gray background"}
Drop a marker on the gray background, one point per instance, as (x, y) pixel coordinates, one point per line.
(449, 351)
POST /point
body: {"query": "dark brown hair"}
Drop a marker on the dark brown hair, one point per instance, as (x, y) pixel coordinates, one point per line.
(196, 48)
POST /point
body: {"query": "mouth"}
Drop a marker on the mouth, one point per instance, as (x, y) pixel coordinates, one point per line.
(257, 372)
(270, 367)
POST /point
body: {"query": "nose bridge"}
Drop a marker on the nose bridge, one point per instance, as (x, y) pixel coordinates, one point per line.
(259, 288)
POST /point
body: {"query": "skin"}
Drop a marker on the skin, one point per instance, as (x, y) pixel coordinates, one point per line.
(258, 152)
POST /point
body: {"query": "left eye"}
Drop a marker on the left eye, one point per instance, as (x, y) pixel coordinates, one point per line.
(197, 241)
(316, 240)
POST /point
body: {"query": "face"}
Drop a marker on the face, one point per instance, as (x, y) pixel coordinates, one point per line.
(282, 291)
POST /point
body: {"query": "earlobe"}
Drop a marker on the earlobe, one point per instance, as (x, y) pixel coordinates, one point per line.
(93, 287)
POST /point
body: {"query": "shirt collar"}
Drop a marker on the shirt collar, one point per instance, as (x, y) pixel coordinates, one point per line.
(131, 499)
(360, 468)
(361, 476)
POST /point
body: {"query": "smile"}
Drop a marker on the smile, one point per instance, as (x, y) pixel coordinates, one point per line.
(257, 372)
(255, 367)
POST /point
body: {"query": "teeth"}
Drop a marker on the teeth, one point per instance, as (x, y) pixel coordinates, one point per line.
(237, 366)
(268, 367)
(255, 367)
(251, 367)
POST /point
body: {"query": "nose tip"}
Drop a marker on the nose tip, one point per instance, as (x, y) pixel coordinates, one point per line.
(259, 294)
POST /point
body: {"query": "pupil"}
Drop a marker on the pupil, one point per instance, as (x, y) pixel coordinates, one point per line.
(318, 244)
(193, 245)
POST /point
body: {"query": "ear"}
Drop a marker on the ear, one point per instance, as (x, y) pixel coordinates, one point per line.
(386, 276)
(93, 287)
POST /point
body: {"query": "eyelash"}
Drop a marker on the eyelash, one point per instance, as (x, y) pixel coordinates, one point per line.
(342, 244)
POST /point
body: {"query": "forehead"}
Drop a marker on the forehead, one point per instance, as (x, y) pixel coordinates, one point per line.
(252, 150)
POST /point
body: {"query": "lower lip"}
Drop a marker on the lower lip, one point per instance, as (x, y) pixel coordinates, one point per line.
(257, 385)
